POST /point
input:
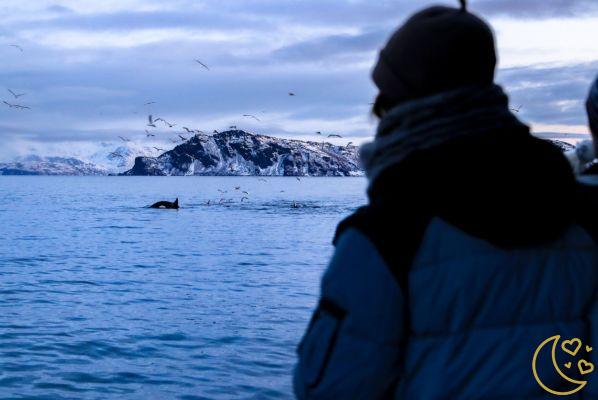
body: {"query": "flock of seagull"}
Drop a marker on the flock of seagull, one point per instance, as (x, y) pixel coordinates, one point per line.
(152, 123)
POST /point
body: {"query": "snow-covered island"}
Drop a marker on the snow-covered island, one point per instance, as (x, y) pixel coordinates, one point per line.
(238, 152)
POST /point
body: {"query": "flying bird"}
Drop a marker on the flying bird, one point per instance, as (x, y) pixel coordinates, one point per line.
(318, 133)
(151, 121)
(16, 46)
(237, 187)
(174, 140)
(299, 179)
(187, 129)
(149, 103)
(262, 180)
(215, 131)
(232, 127)
(349, 144)
(184, 139)
(17, 106)
(116, 154)
(147, 134)
(16, 96)
(252, 116)
(124, 139)
(516, 109)
(202, 64)
(335, 135)
(245, 192)
(244, 198)
(165, 122)
(158, 149)
(291, 94)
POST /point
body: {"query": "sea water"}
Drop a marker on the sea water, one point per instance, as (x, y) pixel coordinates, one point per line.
(104, 298)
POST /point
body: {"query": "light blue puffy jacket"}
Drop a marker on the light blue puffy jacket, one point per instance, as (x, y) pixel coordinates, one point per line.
(466, 327)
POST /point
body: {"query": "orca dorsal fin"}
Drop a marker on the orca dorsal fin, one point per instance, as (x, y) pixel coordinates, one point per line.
(176, 202)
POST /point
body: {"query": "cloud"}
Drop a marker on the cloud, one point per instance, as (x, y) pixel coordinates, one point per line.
(535, 8)
(88, 67)
(551, 94)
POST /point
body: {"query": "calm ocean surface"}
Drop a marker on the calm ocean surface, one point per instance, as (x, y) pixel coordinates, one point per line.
(101, 298)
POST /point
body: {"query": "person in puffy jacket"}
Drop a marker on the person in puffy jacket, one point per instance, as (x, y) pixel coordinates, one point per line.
(477, 244)
(583, 157)
(591, 168)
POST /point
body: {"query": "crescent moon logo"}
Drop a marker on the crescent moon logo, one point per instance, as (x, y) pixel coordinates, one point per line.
(587, 367)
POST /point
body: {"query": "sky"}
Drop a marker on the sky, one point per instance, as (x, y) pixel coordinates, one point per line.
(89, 67)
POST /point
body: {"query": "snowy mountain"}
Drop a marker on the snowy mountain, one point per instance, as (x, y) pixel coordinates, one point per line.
(238, 152)
(107, 160)
(35, 165)
(119, 159)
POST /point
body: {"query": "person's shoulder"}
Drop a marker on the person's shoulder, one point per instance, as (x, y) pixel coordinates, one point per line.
(591, 170)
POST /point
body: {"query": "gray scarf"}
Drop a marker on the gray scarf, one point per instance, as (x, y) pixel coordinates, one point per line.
(431, 121)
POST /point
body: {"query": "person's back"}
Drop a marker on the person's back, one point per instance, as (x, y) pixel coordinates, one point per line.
(474, 249)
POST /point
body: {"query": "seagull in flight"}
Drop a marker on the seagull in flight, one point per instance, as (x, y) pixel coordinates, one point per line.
(147, 134)
(16, 95)
(159, 149)
(149, 103)
(232, 127)
(116, 154)
(151, 121)
(291, 94)
(124, 139)
(516, 109)
(202, 64)
(187, 129)
(318, 133)
(215, 131)
(244, 198)
(349, 144)
(184, 139)
(252, 116)
(165, 122)
(16, 46)
(17, 106)
(262, 180)
(334, 135)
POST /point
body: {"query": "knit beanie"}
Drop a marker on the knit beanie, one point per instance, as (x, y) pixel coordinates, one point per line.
(438, 49)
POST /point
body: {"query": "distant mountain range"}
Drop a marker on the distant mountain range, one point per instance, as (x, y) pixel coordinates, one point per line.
(36, 165)
(233, 152)
(102, 162)
(238, 152)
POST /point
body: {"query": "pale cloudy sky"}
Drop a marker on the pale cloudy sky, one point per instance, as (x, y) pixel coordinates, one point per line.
(88, 67)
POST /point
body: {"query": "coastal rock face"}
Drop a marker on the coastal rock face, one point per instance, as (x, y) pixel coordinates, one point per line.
(241, 153)
(35, 165)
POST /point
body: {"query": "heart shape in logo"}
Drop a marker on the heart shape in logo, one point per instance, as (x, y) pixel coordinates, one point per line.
(585, 367)
(589, 349)
(571, 346)
(568, 365)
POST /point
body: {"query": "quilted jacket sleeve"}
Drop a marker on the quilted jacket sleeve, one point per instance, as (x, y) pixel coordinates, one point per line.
(352, 347)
